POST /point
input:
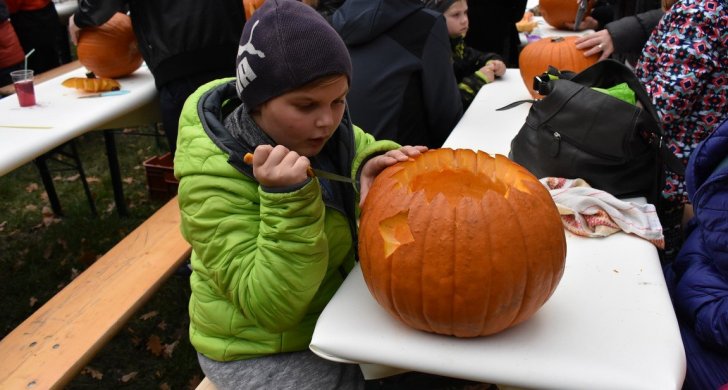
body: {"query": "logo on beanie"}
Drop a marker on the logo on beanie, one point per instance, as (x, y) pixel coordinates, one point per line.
(245, 73)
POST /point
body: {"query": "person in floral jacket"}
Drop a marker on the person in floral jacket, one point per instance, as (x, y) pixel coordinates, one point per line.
(684, 68)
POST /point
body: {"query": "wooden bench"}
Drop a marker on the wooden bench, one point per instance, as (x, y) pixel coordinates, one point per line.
(49, 348)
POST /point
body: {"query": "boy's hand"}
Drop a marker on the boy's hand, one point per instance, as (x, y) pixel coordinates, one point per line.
(377, 164)
(493, 69)
(278, 166)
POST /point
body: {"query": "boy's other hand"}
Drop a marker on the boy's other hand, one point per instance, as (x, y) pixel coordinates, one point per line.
(377, 164)
(278, 166)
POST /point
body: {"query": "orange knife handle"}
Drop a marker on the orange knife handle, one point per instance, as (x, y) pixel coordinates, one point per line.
(248, 159)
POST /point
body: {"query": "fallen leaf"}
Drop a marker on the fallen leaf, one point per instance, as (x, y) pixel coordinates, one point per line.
(93, 179)
(31, 207)
(169, 349)
(128, 180)
(2, 225)
(154, 345)
(136, 340)
(126, 378)
(74, 273)
(57, 178)
(148, 315)
(48, 217)
(31, 187)
(48, 252)
(33, 301)
(164, 386)
(162, 325)
(93, 373)
(72, 177)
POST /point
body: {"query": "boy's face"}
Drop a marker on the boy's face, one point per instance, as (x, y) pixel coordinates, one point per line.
(457, 18)
(304, 119)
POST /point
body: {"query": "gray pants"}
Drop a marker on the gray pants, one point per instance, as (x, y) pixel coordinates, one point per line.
(298, 370)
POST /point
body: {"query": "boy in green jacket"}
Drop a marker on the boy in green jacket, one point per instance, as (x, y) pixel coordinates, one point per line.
(271, 245)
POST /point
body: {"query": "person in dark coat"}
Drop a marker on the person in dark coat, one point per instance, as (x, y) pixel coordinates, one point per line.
(624, 37)
(698, 278)
(185, 43)
(493, 28)
(403, 87)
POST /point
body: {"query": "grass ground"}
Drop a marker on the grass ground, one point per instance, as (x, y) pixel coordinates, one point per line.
(39, 254)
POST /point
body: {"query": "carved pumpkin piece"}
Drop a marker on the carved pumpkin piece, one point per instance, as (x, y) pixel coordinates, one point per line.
(460, 243)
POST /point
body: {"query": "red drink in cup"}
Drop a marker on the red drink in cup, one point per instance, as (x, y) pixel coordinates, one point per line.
(23, 81)
(26, 94)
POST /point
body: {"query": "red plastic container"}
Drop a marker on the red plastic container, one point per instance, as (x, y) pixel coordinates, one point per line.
(161, 182)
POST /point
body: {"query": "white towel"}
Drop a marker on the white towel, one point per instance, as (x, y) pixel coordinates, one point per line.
(589, 212)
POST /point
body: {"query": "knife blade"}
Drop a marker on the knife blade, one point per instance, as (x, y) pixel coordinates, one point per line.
(332, 176)
(108, 93)
(311, 172)
(580, 14)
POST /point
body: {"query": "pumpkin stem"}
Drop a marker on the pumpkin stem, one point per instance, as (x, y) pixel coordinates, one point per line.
(90, 75)
(557, 39)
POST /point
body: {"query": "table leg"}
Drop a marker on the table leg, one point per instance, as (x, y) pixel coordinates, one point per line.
(116, 183)
(45, 176)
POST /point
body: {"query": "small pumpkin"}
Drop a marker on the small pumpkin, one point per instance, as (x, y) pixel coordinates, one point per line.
(250, 7)
(559, 52)
(559, 12)
(457, 242)
(110, 50)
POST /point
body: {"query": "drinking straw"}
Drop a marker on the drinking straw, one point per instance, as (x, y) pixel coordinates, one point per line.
(26, 59)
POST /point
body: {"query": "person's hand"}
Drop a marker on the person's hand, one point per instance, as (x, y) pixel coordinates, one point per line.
(278, 166)
(73, 30)
(595, 43)
(588, 23)
(499, 67)
(377, 164)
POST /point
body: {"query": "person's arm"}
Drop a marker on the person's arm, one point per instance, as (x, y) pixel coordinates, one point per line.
(701, 296)
(92, 13)
(630, 33)
(441, 96)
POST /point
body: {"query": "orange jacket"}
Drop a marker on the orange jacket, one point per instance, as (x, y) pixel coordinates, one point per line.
(11, 52)
(25, 5)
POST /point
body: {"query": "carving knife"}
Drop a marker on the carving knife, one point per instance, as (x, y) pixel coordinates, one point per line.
(312, 172)
(580, 14)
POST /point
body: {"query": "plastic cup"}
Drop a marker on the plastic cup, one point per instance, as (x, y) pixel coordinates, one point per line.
(23, 82)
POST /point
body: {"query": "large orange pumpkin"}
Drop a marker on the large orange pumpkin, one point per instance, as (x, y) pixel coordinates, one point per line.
(559, 52)
(250, 7)
(460, 243)
(110, 50)
(559, 12)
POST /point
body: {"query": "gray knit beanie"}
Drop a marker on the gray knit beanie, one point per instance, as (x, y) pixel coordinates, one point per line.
(438, 5)
(285, 45)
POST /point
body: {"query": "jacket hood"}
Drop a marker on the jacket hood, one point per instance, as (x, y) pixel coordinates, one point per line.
(361, 21)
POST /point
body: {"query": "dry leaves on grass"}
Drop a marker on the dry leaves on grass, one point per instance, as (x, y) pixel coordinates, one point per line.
(148, 315)
(93, 373)
(157, 348)
(32, 187)
(126, 378)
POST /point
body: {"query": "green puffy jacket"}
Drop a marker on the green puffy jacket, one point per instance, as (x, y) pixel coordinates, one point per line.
(264, 264)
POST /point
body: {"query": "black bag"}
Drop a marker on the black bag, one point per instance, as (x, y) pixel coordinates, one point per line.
(578, 132)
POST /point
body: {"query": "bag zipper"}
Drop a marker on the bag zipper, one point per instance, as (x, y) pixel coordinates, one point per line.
(557, 137)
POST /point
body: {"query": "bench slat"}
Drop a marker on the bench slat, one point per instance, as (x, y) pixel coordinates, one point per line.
(50, 347)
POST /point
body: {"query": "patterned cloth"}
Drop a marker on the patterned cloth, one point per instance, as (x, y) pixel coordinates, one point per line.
(588, 212)
(684, 68)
